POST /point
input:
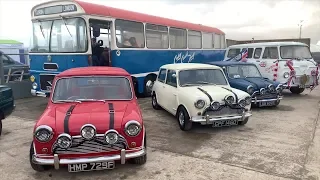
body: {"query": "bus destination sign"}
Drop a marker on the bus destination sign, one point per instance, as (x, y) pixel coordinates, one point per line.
(55, 9)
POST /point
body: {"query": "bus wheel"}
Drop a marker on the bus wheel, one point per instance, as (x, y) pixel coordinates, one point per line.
(146, 91)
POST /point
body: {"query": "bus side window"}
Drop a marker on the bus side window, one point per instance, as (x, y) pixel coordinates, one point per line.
(194, 39)
(233, 52)
(131, 34)
(208, 40)
(217, 42)
(178, 38)
(257, 53)
(157, 36)
(250, 52)
(270, 53)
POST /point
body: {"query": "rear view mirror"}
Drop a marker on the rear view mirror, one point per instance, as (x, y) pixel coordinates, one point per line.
(95, 30)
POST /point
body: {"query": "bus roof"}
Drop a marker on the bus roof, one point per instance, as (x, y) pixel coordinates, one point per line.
(280, 43)
(101, 10)
(94, 70)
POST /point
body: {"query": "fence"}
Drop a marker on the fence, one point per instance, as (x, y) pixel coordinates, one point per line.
(16, 77)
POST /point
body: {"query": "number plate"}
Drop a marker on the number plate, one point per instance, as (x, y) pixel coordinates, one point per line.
(91, 166)
(267, 103)
(232, 122)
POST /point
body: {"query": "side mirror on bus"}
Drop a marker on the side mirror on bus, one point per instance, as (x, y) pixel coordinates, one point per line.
(100, 43)
(95, 31)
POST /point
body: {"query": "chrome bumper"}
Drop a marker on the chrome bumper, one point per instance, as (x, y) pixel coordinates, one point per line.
(54, 160)
(38, 93)
(209, 120)
(255, 100)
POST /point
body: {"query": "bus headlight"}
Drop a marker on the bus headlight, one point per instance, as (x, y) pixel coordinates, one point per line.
(34, 85)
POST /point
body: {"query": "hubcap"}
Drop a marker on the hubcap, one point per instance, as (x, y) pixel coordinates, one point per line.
(181, 119)
(154, 101)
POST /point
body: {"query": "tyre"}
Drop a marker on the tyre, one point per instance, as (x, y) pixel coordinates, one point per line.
(296, 90)
(34, 166)
(146, 92)
(142, 159)
(245, 121)
(184, 119)
(154, 102)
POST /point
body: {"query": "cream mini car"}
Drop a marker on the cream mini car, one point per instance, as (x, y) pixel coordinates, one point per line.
(199, 93)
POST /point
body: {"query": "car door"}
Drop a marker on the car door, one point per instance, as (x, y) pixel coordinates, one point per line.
(159, 87)
(258, 61)
(270, 55)
(170, 90)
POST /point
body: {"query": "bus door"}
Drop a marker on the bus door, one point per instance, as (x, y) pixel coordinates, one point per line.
(100, 33)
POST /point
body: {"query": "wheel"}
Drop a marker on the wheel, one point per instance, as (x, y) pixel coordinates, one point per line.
(296, 90)
(184, 119)
(154, 102)
(277, 103)
(244, 121)
(0, 127)
(146, 92)
(34, 166)
(142, 159)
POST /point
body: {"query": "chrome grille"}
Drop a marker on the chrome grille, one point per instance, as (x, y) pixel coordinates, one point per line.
(97, 145)
(266, 96)
(224, 111)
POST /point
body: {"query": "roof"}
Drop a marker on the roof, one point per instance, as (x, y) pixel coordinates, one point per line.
(280, 43)
(94, 70)
(228, 63)
(97, 9)
(182, 66)
(9, 41)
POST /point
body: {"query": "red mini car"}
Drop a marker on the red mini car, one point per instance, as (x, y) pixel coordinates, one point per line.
(92, 120)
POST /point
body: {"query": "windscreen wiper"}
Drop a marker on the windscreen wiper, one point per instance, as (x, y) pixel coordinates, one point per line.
(65, 23)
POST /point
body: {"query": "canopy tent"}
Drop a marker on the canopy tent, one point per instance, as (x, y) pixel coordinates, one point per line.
(13, 47)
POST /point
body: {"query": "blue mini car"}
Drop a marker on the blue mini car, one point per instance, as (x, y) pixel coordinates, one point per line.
(247, 77)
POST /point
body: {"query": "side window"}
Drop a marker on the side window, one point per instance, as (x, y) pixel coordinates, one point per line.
(250, 52)
(257, 53)
(171, 78)
(207, 40)
(223, 41)
(6, 60)
(157, 37)
(217, 44)
(194, 39)
(178, 38)
(233, 52)
(162, 75)
(131, 34)
(270, 53)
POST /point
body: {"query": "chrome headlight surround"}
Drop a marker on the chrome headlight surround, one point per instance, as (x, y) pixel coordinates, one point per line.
(286, 74)
(248, 100)
(262, 91)
(132, 128)
(271, 87)
(43, 133)
(64, 141)
(250, 89)
(229, 99)
(242, 103)
(88, 131)
(200, 103)
(279, 88)
(111, 136)
(215, 105)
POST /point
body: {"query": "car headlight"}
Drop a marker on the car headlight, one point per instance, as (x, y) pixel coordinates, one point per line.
(34, 85)
(229, 99)
(271, 87)
(250, 89)
(286, 75)
(88, 131)
(262, 91)
(200, 104)
(43, 133)
(111, 136)
(248, 100)
(32, 78)
(215, 105)
(132, 128)
(64, 141)
(242, 103)
(279, 88)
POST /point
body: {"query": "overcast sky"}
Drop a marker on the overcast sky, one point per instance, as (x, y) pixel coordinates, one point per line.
(239, 19)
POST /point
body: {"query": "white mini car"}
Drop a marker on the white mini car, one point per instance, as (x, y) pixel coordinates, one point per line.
(199, 93)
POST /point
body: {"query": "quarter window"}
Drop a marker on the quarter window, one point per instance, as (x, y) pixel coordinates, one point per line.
(250, 52)
(162, 75)
(207, 40)
(178, 38)
(257, 53)
(270, 53)
(194, 39)
(171, 78)
(131, 34)
(157, 37)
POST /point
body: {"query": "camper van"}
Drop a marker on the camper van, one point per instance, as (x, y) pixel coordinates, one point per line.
(290, 63)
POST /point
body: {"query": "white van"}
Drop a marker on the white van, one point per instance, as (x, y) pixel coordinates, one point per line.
(289, 63)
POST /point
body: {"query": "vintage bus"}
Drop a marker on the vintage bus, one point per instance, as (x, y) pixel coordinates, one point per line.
(68, 34)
